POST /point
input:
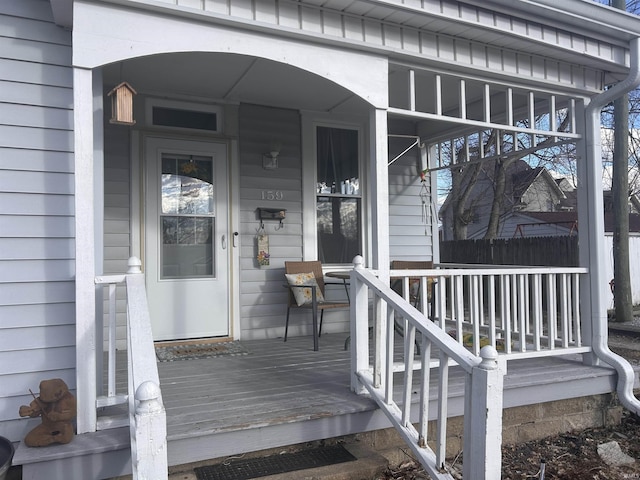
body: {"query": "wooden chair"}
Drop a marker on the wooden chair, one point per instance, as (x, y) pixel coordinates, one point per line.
(315, 305)
(396, 284)
(414, 298)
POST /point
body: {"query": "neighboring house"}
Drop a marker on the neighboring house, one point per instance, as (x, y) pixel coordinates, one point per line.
(249, 105)
(526, 190)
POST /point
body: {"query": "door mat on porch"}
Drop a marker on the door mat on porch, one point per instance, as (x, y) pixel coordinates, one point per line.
(275, 464)
(197, 351)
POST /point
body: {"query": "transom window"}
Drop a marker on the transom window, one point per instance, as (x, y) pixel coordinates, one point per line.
(338, 195)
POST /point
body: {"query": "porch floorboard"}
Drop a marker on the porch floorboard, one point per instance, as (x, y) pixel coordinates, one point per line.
(283, 393)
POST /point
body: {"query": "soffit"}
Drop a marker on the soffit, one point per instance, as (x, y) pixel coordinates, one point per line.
(597, 37)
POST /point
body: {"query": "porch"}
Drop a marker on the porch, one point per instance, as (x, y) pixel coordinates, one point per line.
(282, 394)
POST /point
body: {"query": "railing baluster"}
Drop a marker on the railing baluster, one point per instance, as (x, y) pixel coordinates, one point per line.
(522, 314)
(552, 311)
(537, 311)
(390, 346)
(441, 423)
(409, 339)
(564, 302)
(111, 373)
(425, 380)
(474, 311)
(492, 310)
(577, 325)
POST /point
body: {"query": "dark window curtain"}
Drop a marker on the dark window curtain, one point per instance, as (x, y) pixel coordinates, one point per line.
(338, 227)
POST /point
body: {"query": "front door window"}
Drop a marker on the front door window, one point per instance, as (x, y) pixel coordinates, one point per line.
(187, 217)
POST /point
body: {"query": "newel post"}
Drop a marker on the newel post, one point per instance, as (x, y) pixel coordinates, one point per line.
(359, 324)
(150, 457)
(134, 264)
(483, 418)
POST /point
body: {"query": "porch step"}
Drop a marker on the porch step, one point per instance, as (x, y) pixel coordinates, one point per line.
(367, 465)
(102, 454)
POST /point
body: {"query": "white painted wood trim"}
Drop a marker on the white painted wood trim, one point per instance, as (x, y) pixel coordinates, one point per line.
(234, 222)
(309, 124)
(133, 33)
(379, 189)
(135, 196)
(83, 116)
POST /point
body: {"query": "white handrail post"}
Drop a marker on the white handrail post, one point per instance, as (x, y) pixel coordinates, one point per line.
(359, 327)
(149, 458)
(483, 418)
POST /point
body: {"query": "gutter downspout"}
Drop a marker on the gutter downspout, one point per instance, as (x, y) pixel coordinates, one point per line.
(626, 374)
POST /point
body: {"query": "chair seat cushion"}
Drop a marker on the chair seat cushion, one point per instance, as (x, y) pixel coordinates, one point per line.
(301, 294)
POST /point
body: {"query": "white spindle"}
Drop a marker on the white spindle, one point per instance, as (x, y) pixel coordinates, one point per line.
(537, 311)
(463, 99)
(412, 90)
(438, 94)
(111, 369)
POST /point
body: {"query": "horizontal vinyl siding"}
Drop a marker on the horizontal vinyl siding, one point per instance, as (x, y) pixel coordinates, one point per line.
(263, 300)
(117, 223)
(409, 228)
(37, 313)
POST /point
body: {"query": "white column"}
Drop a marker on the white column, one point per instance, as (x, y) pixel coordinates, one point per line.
(85, 250)
(379, 198)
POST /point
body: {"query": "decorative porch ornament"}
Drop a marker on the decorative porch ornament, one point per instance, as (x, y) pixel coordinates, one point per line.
(57, 408)
(122, 104)
(424, 199)
(263, 247)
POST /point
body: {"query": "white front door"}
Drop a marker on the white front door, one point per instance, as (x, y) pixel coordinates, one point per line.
(186, 238)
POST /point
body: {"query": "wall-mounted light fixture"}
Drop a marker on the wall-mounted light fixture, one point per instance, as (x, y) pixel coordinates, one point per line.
(270, 160)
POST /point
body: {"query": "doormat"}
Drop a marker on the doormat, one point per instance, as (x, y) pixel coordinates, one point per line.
(199, 350)
(275, 464)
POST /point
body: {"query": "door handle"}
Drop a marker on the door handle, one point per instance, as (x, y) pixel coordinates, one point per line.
(235, 239)
(224, 242)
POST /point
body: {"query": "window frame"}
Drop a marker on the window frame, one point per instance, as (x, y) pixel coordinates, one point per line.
(310, 123)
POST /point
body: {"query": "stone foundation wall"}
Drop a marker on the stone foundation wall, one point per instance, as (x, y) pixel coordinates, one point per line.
(519, 424)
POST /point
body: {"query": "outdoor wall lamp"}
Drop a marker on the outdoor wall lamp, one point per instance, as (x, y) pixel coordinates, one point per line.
(270, 160)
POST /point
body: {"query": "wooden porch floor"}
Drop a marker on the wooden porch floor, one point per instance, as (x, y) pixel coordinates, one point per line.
(285, 393)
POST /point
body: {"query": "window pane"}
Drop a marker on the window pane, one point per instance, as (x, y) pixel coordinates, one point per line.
(337, 153)
(187, 249)
(338, 229)
(187, 185)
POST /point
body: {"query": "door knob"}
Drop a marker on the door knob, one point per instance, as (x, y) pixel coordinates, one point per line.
(224, 242)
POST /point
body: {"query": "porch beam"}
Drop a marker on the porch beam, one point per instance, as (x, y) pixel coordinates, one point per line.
(85, 249)
(478, 124)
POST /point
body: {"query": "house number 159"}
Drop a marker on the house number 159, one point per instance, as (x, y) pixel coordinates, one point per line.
(272, 195)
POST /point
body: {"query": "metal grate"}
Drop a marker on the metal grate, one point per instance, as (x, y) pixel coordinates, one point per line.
(274, 464)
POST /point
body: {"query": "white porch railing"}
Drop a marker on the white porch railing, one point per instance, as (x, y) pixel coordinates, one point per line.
(520, 311)
(512, 312)
(145, 412)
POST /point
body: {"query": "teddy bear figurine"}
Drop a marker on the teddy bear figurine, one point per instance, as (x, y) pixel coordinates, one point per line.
(57, 408)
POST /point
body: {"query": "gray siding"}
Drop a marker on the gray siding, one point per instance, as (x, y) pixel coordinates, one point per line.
(37, 314)
(409, 225)
(263, 300)
(117, 223)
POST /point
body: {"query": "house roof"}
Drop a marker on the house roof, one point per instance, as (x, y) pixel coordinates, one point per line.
(523, 180)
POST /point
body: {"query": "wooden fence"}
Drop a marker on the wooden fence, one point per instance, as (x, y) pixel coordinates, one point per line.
(560, 251)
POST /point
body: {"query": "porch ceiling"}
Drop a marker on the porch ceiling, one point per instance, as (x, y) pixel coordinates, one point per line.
(232, 78)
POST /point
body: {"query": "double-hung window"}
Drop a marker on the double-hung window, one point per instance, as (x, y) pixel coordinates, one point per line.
(338, 195)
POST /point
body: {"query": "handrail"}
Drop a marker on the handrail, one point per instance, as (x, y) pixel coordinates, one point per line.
(483, 379)
(147, 416)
